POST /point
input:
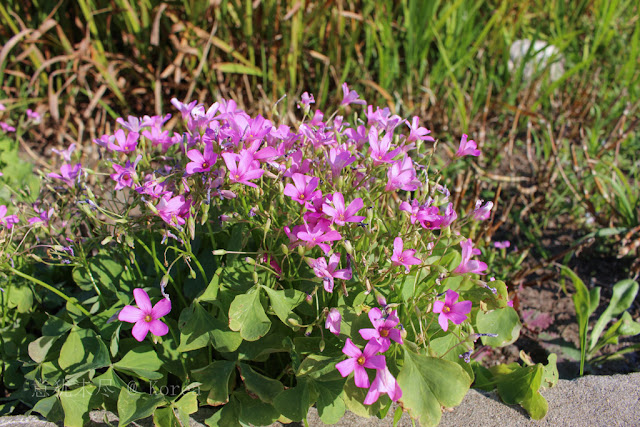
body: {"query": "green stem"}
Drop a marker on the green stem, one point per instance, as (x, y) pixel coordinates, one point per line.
(51, 288)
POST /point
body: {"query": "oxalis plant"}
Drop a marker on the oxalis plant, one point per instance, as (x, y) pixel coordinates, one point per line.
(254, 267)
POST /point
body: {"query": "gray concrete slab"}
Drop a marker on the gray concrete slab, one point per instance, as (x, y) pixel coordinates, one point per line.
(591, 401)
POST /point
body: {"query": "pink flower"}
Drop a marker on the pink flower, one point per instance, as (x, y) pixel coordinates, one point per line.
(502, 245)
(482, 212)
(65, 154)
(328, 272)
(33, 116)
(173, 210)
(8, 221)
(7, 127)
(359, 360)
(450, 215)
(467, 265)
(339, 158)
(402, 176)
(200, 162)
(383, 383)
(333, 321)
(451, 310)
(467, 148)
(380, 148)
(383, 329)
(185, 109)
(68, 173)
(123, 143)
(341, 215)
(125, 175)
(350, 97)
(43, 216)
(144, 316)
(418, 132)
(244, 171)
(318, 236)
(305, 100)
(303, 189)
(401, 257)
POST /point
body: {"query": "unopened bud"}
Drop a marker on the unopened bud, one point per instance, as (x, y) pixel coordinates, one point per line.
(308, 331)
(267, 226)
(348, 247)
(220, 252)
(321, 346)
(403, 333)
(293, 321)
(285, 249)
(250, 260)
(255, 277)
(301, 250)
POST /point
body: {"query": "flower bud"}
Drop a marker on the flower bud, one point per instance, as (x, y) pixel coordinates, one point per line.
(250, 260)
(348, 247)
(301, 250)
(308, 331)
(220, 252)
(321, 346)
(285, 249)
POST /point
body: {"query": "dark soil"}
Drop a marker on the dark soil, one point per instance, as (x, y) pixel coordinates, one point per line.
(548, 315)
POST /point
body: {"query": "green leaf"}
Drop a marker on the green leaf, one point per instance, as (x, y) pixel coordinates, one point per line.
(624, 293)
(55, 326)
(582, 302)
(187, 405)
(230, 67)
(629, 326)
(165, 417)
(83, 351)
(104, 270)
(134, 406)
(211, 292)
(215, 379)
(39, 348)
(521, 386)
(77, 404)
(283, 302)
(550, 374)
(195, 325)
(428, 383)
(50, 408)
(265, 388)
(247, 316)
(504, 321)
(317, 367)
(225, 417)
(20, 297)
(254, 411)
(294, 403)
(109, 385)
(354, 396)
(331, 406)
(142, 362)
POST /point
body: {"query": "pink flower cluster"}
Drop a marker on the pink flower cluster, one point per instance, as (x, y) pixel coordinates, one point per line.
(379, 340)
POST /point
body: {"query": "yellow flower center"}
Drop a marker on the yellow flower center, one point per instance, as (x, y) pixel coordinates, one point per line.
(148, 318)
(361, 360)
(446, 309)
(384, 333)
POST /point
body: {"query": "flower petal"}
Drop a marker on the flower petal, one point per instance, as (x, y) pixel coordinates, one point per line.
(346, 366)
(140, 330)
(443, 321)
(142, 300)
(162, 308)
(360, 376)
(130, 314)
(351, 350)
(158, 328)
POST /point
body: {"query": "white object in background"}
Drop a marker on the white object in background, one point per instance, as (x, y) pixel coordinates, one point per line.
(537, 57)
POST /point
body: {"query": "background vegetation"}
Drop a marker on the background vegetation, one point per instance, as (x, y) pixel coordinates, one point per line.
(559, 155)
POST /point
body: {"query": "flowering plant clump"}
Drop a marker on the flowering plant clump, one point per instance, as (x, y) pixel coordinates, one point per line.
(292, 264)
